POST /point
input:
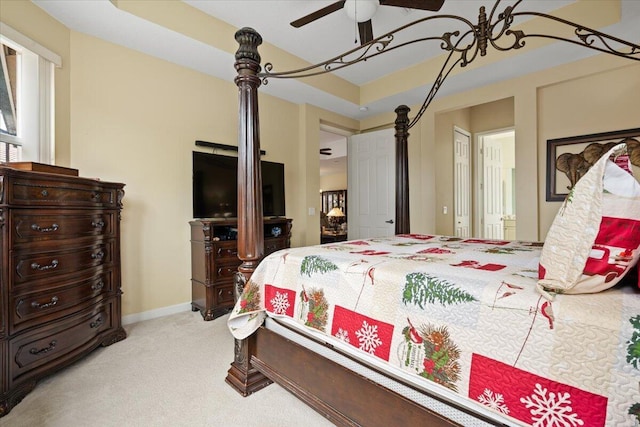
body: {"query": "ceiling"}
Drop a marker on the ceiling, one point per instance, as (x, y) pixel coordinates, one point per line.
(318, 41)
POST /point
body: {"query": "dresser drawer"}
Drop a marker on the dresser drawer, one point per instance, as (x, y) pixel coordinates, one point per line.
(43, 192)
(224, 271)
(227, 250)
(29, 225)
(35, 308)
(224, 295)
(31, 265)
(57, 342)
(275, 244)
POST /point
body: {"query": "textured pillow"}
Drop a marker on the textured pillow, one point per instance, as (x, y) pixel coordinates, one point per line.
(595, 237)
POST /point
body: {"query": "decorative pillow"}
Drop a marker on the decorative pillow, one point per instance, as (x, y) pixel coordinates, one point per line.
(594, 239)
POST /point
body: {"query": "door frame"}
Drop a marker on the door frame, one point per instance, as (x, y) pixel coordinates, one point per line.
(469, 184)
(478, 199)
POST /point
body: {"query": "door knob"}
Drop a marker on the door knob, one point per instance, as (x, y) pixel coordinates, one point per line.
(389, 221)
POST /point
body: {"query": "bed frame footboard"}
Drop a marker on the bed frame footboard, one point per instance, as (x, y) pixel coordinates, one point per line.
(344, 397)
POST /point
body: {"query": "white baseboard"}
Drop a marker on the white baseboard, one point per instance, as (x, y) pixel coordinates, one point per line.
(155, 313)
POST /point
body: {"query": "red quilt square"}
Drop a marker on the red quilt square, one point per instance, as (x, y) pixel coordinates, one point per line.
(279, 300)
(533, 399)
(362, 332)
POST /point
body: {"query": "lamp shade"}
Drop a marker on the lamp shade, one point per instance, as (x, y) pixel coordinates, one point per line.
(361, 10)
(335, 212)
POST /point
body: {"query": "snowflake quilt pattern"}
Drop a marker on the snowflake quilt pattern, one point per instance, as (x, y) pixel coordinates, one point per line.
(463, 316)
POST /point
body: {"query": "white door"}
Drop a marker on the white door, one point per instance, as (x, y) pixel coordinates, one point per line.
(371, 184)
(492, 189)
(462, 182)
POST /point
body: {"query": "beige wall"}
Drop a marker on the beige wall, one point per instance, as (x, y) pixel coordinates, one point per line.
(125, 116)
(153, 111)
(601, 102)
(336, 181)
(476, 119)
(592, 95)
(135, 120)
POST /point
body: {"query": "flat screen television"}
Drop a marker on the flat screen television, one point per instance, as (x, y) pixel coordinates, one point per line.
(215, 187)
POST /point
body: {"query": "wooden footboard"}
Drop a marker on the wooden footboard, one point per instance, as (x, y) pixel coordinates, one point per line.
(344, 397)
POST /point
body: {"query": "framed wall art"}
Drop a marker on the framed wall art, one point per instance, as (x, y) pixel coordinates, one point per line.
(569, 158)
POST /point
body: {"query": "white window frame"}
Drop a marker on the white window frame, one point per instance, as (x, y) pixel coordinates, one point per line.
(35, 115)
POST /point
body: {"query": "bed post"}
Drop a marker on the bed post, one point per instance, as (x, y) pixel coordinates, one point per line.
(242, 376)
(402, 170)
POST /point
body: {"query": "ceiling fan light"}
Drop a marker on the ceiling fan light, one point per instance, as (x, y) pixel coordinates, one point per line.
(361, 10)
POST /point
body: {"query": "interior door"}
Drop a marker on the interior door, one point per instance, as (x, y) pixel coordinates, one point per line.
(492, 189)
(462, 183)
(371, 184)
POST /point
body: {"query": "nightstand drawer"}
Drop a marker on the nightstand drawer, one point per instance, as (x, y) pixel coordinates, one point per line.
(30, 266)
(33, 308)
(31, 226)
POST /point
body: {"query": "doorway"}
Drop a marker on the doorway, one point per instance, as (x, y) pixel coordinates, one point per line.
(495, 207)
(333, 184)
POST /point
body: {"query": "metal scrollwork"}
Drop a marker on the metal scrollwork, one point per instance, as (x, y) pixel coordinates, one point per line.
(465, 46)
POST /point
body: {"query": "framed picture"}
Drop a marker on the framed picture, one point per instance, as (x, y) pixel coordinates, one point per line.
(569, 158)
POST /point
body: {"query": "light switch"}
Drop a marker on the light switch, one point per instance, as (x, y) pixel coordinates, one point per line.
(444, 210)
(312, 211)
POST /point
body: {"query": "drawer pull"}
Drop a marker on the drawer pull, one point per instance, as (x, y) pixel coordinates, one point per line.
(95, 197)
(97, 224)
(36, 227)
(97, 286)
(51, 303)
(44, 193)
(226, 270)
(221, 292)
(98, 255)
(36, 266)
(227, 252)
(45, 350)
(97, 323)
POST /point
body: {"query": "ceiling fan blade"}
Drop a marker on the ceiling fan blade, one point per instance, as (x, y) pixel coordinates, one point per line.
(318, 14)
(431, 5)
(366, 31)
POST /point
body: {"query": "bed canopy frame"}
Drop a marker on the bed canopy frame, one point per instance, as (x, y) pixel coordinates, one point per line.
(247, 372)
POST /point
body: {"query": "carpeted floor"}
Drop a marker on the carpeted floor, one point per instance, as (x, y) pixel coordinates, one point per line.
(168, 372)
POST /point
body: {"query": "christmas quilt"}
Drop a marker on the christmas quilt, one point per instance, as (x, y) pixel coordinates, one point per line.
(463, 314)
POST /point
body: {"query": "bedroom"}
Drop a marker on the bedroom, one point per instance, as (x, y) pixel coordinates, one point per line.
(97, 97)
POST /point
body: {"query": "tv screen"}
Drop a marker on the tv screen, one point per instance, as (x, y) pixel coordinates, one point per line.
(215, 187)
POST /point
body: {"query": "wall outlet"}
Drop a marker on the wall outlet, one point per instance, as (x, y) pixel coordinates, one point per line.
(312, 211)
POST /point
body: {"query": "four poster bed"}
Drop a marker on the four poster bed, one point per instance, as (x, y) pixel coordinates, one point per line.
(432, 330)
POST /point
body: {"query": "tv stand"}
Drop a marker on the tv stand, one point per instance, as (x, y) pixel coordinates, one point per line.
(214, 260)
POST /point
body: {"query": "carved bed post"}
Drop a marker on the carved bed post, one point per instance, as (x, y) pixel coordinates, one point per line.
(242, 376)
(402, 170)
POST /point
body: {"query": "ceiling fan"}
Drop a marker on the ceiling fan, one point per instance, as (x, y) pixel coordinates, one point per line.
(362, 11)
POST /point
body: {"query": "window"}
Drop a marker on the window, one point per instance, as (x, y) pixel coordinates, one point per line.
(26, 98)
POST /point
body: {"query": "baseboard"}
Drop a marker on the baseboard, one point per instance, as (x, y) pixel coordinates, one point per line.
(155, 313)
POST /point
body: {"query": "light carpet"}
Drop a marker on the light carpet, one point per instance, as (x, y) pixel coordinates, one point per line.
(167, 372)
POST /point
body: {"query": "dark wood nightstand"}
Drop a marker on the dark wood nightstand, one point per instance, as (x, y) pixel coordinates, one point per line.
(331, 237)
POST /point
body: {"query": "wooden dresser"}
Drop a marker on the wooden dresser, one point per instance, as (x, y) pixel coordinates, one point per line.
(60, 279)
(214, 261)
